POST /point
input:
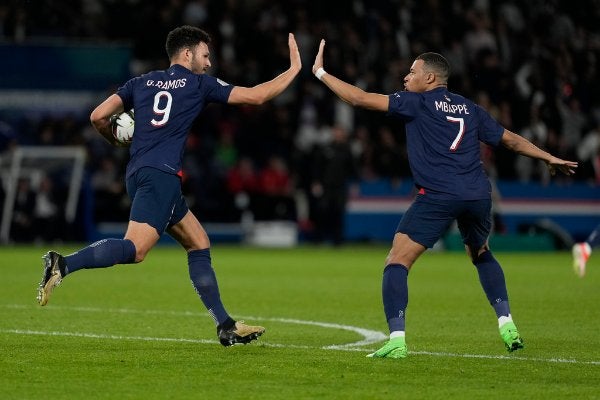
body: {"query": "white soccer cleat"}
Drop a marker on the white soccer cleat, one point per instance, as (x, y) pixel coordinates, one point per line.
(581, 253)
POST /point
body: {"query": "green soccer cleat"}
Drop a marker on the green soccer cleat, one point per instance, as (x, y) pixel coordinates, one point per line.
(394, 348)
(511, 337)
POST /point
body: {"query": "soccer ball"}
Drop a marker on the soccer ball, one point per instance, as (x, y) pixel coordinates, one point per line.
(122, 127)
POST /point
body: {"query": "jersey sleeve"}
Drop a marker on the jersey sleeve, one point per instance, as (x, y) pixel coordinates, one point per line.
(125, 92)
(403, 105)
(216, 90)
(490, 130)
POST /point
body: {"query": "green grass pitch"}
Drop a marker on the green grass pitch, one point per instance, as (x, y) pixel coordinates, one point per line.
(140, 331)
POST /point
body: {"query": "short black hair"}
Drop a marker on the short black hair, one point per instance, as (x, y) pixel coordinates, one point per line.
(184, 36)
(436, 63)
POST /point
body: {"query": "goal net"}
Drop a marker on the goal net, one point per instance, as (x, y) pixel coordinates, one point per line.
(33, 163)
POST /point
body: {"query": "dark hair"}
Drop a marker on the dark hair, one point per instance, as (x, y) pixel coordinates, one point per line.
(437, 64)
(184, 36)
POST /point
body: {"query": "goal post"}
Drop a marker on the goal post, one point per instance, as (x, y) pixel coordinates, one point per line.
(28, 161)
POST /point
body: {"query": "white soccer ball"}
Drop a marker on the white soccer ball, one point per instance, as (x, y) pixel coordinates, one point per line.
(122, 127)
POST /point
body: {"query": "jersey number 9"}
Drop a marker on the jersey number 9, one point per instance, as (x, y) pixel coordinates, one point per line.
(162, 111)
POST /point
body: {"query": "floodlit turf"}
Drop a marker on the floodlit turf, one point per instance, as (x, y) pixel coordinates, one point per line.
(140, 332)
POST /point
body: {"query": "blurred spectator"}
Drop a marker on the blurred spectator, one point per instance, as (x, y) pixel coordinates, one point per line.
(243, 185)
(573, 122)
(390, 160)
(362, 152)
(111, 200)
(537, 133)
(242, 178)
(275, 198)
(226, 152)
(588, 153)
(47, 213)
(333, 168)
(479, 37)
(15, 23)
(195, 12)
(22, 227)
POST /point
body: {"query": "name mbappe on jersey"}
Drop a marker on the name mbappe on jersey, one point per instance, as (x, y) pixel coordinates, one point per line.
(451, 108)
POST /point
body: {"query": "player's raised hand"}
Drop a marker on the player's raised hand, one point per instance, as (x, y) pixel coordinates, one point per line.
(319, 58)
(566, 167)
(295, 62)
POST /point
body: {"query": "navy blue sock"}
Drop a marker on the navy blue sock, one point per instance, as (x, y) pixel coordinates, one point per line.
(395, 295)
(101, 254)
(205, 282)
(491, 277)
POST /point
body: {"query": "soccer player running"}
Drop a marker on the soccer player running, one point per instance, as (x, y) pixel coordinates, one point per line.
(443, 131)
(165, 104)
(583, 250)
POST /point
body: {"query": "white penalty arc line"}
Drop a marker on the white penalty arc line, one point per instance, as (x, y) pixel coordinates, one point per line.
(369, 336)
(163, 339)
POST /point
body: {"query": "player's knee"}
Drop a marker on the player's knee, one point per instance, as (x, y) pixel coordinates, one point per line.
(476, 252)
(481, 257)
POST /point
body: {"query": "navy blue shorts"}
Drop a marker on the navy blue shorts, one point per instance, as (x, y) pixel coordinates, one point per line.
(427, 220)
(156, 198)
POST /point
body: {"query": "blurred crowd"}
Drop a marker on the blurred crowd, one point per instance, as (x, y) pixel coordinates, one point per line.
(532, 64)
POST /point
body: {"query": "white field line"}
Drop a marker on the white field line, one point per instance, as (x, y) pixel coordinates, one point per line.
(291, 346)
(511, 357)
(369, 336)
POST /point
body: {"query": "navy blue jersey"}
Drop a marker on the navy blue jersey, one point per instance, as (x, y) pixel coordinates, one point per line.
(165, 104)
(443, 131)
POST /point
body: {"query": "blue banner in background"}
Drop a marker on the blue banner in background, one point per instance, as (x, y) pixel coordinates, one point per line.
(523, 208)
(63, 67)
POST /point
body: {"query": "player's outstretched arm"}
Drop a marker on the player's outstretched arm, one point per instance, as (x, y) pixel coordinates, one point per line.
(267, 90)
(352, 95)
(522, 146)
(100, 117)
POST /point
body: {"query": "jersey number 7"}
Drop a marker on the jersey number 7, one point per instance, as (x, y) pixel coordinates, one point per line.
(461, 131)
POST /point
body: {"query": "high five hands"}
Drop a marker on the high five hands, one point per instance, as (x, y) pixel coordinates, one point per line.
(319, 58)
(295, 62)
